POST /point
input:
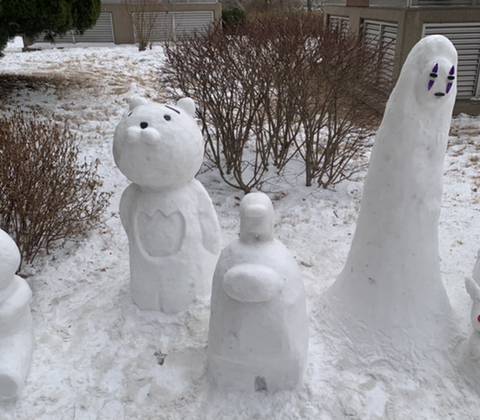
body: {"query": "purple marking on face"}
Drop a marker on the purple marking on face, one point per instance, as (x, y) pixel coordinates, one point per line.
(430, 84)
(449, 86)
(452, 71)
(435, 68)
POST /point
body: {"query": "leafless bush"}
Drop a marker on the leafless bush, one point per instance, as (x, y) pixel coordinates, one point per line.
(279, 87)
(225, 75)
(144, 19)
(338, 98)
(46, 194)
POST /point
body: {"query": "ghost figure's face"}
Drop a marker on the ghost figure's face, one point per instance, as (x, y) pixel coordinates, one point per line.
(440, 82)
(432, 68)
(436, 83)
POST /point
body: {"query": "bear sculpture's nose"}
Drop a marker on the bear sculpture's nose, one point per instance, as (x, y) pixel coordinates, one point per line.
(143, 125)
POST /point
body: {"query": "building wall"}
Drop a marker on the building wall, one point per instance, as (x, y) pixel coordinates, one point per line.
(122, 22)
(410, 29)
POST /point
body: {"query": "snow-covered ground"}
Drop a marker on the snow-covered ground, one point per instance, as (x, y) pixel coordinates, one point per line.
(98, 357)
(15, 44)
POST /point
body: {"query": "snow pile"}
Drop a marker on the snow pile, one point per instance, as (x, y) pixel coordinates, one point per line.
(15, 44)
(97, 356)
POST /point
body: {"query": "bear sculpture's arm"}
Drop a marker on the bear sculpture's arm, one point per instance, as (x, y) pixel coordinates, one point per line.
(15, 304)
(126, 203)
(208, 220)
(252, 283)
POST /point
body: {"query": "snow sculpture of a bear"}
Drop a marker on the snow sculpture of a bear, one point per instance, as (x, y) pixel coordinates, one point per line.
(258, 334)
(171, 224)
(16, 337)
(473, 289)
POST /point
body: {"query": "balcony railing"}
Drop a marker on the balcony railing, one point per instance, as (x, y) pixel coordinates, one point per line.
(424, 3)
(409, 3)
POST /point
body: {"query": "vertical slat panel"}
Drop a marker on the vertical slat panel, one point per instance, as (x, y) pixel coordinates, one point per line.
(339, 23)
(442, 3)
(466, 38)
(187, 23)
(382, 35)
(101, 32)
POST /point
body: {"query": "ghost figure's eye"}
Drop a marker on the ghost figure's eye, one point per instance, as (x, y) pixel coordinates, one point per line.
(451, 74)
(433, 75)
(167, 117)
(478, 318)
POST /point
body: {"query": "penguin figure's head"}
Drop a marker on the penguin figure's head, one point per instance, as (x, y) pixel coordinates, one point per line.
(256, 218)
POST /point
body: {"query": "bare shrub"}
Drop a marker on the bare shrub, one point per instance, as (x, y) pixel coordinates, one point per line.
(223, 73)
(46, 193)
(144, 19)
(338, 106)
(280, 87)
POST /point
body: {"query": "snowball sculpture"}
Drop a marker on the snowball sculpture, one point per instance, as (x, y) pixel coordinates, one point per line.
(473, 345)
(473, 289)
(16, 338)
(390, 295)
(258, 334)
(172, 227)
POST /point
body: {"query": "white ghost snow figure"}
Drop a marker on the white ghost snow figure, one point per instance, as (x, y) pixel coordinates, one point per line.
(389, 299)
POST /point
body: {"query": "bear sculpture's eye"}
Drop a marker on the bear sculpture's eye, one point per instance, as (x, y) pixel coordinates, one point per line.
(130, 114)
(143, 125)
(167, 117)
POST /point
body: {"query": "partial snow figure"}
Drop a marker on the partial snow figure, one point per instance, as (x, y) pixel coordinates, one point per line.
(16, 338)
(389, 298)
(172, 227)
(258, 334)
(476, 270)
(473, 345)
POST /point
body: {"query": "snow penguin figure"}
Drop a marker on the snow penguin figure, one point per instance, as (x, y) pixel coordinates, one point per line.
(258, 334)
(389, 297)
(171, 224)
(16, 337)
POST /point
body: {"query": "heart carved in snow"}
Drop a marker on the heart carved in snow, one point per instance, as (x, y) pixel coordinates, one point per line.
(160, 235)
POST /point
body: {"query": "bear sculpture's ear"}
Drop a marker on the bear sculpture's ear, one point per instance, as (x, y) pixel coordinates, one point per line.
(188, 105)
(135, 101)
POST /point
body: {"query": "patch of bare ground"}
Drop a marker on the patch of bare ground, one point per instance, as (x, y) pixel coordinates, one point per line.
(13, 85)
